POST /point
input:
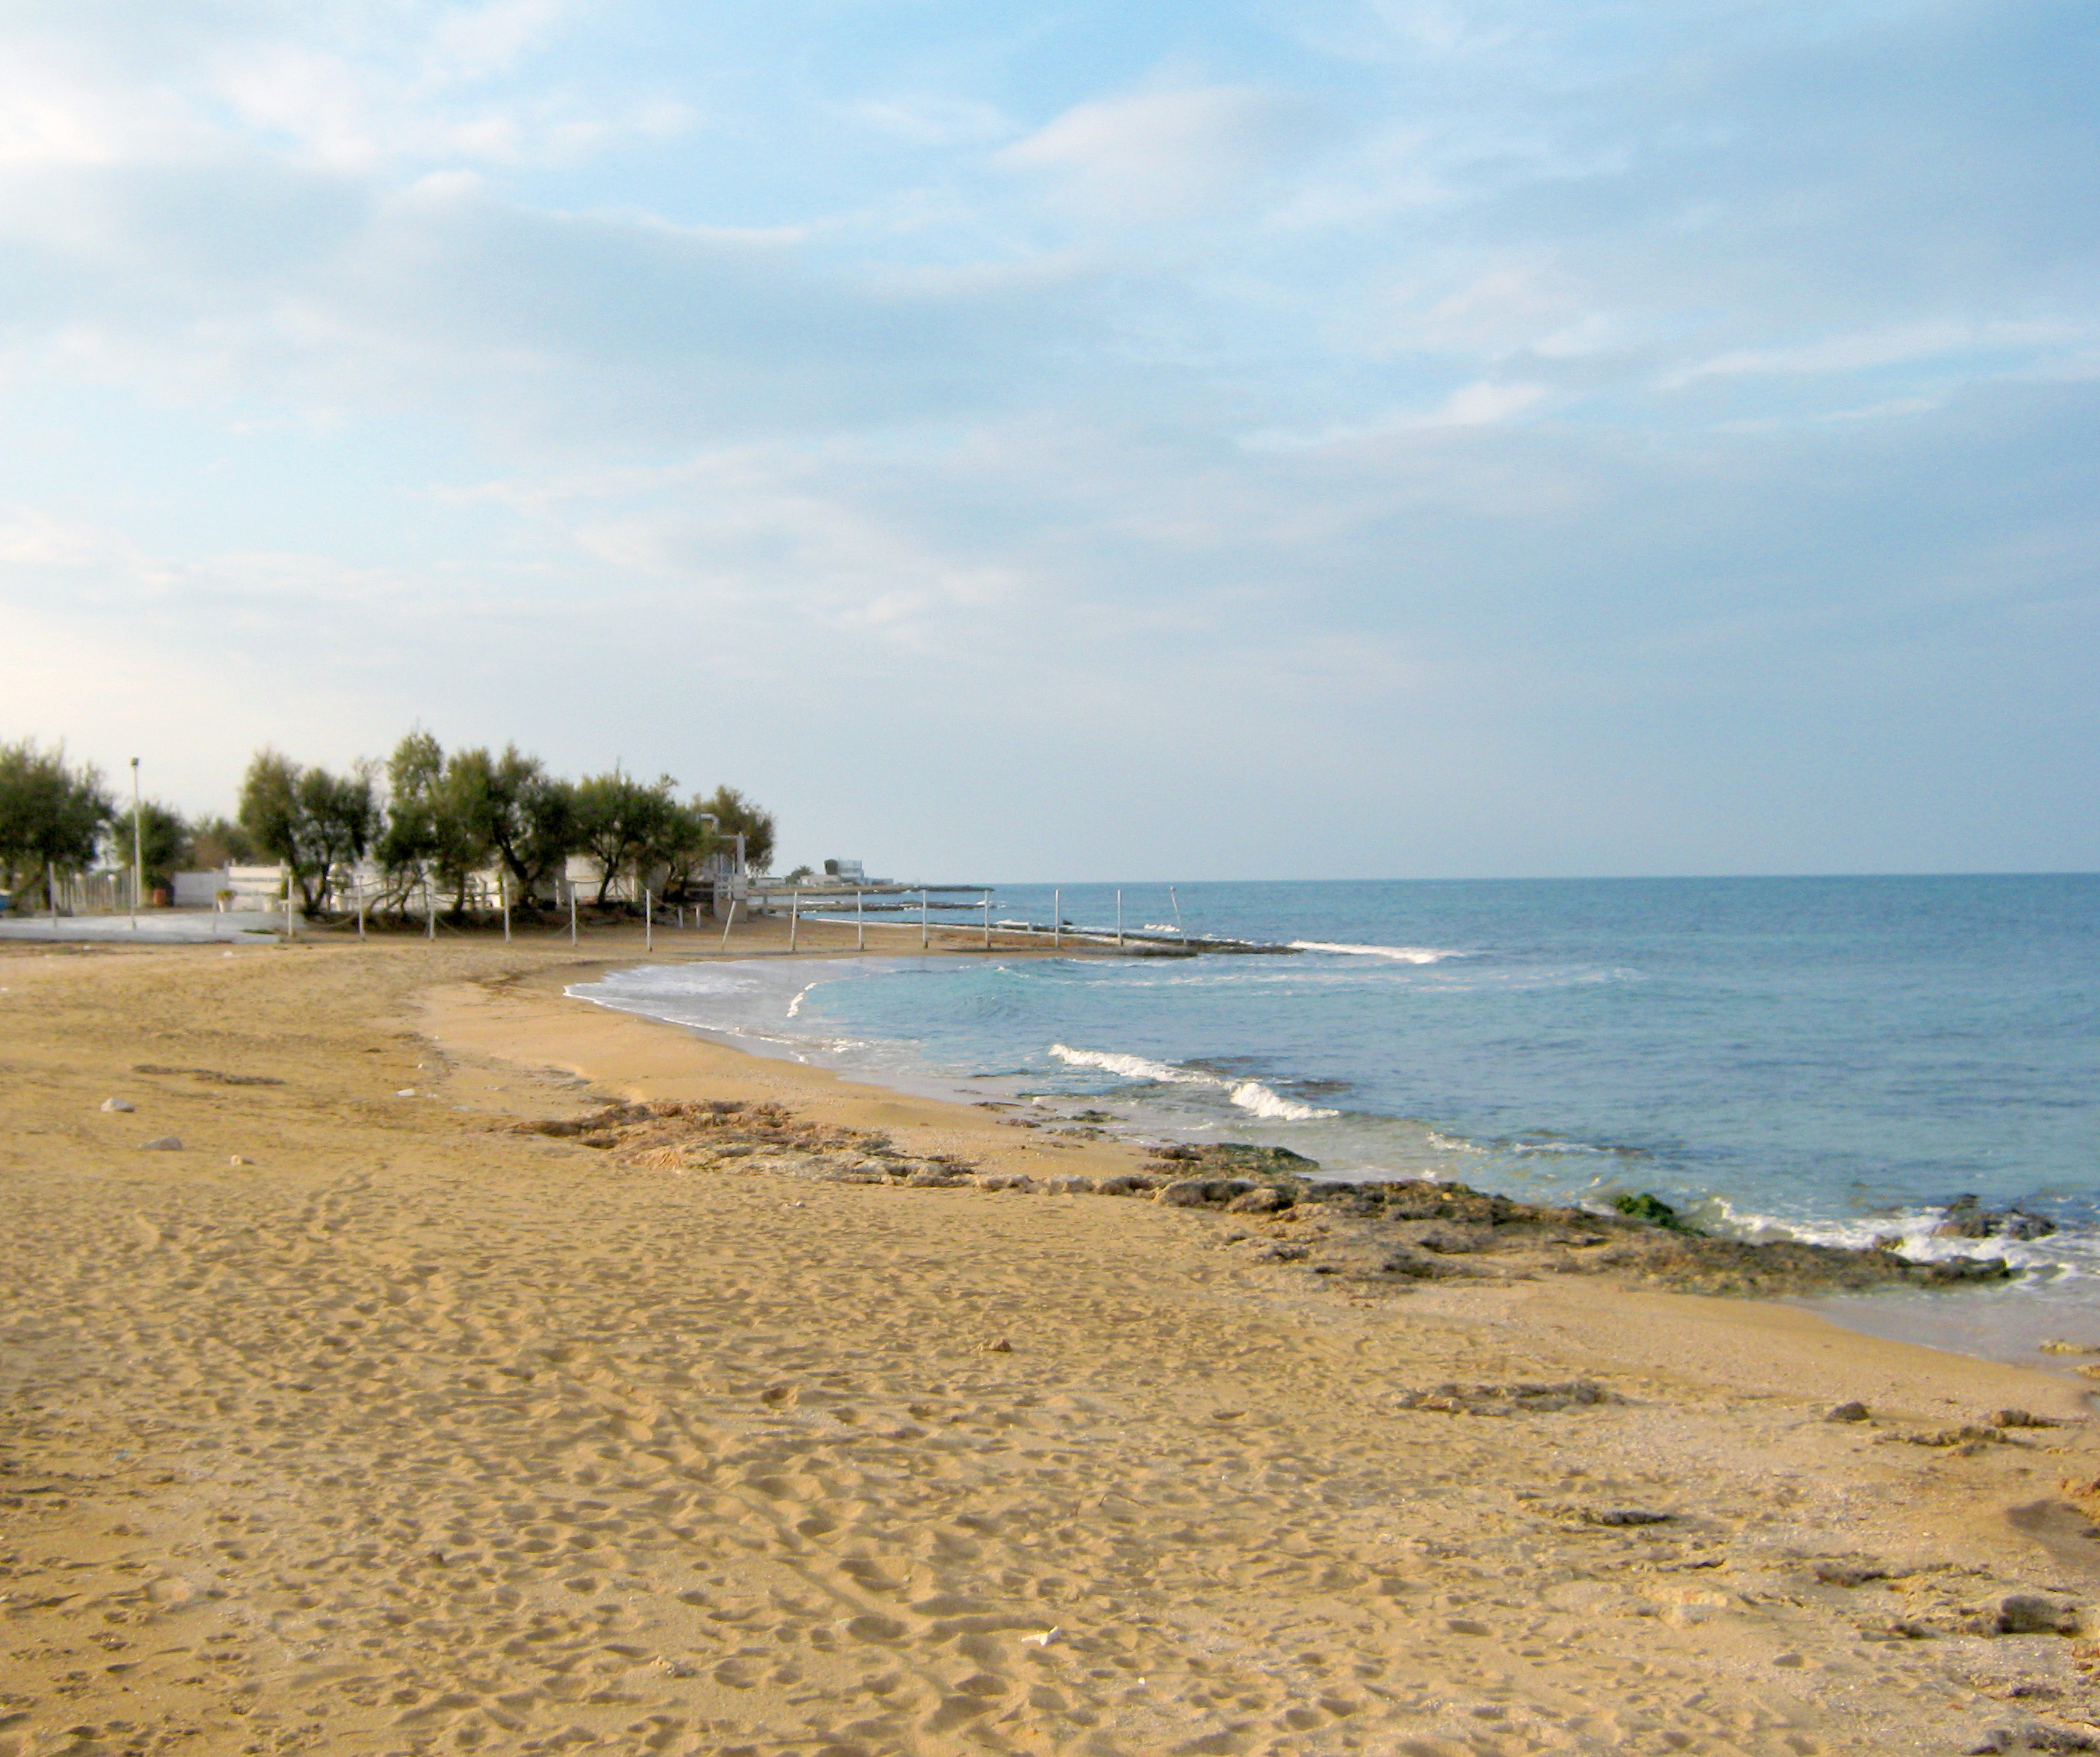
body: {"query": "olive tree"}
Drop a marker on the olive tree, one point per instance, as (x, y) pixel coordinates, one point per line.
(438, 818)
(310, 819)
(625, 825)
(734, 815)
(162, 837)
(527, 816)
(52, 813)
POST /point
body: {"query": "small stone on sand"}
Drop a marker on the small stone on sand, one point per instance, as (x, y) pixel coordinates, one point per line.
(165, 1144)
(1847, 1412)
(118, 1104)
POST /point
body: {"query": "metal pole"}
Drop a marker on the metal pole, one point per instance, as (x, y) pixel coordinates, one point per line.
(925, 933)
(360, 894)
(1058, 918)
(505, 882)
(291, 924)
(1118, 918)
(648, 922)
(794, 917)
(988, 903)
(572, 915)
(430, 910)
(860, 922)
(52, 890)
(1178, 927)
(728, 922)
(138, 849)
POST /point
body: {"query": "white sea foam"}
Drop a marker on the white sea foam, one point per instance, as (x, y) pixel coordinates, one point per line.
(1248, 1094)
(1398, 954)
(1914, 1231)
(795, 1006)
(1132, 1066)
(1251, 1095)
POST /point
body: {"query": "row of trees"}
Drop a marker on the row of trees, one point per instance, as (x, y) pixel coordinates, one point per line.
(426, 817)
(444, 818)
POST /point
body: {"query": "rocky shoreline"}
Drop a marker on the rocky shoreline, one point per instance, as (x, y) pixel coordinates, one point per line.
(1268, 1201)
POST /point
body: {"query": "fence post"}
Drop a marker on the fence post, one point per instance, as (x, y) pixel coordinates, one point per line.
(794, 917)
(925, 933)
(1057, 918)
(988, 903)
(1118, 918)
(648, 921)
(572, 915)
(360, 916)
(729, 921)
(430, 910)
(860, 921)
(505, 882)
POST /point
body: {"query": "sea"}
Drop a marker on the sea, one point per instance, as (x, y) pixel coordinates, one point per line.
(1831, 1059)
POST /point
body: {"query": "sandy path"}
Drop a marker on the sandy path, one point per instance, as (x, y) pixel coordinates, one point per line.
(417, 1436)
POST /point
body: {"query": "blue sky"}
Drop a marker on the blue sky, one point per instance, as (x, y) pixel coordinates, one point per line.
(1349, 438)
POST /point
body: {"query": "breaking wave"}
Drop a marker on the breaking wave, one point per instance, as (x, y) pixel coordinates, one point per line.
(1132, 1066)
(1398, 954)
(1914, 1232)
(1249, 1095)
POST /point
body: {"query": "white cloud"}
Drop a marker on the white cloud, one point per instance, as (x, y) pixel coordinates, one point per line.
(1168, 154)
(473, 43)
(932, 120)
(1485, 403)
(1867, 351)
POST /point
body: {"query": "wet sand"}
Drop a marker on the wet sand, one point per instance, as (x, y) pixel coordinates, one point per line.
(418, 1433)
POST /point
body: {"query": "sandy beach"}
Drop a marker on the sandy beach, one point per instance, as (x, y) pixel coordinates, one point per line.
(368, 1421)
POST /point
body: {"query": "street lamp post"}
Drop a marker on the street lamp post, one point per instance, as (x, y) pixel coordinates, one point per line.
(137, 847)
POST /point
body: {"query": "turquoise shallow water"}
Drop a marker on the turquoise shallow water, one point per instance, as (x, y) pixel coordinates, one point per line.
(1834, 1058)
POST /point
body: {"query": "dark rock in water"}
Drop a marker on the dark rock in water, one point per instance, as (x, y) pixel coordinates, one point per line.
(2031, 1614)
(1648, 1206)
(1966, 1217)
(1848, 1412)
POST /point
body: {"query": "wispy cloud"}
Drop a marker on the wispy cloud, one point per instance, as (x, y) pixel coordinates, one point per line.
(1168, 154)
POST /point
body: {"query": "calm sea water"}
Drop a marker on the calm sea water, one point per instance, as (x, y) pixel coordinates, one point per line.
(1835, 1058)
